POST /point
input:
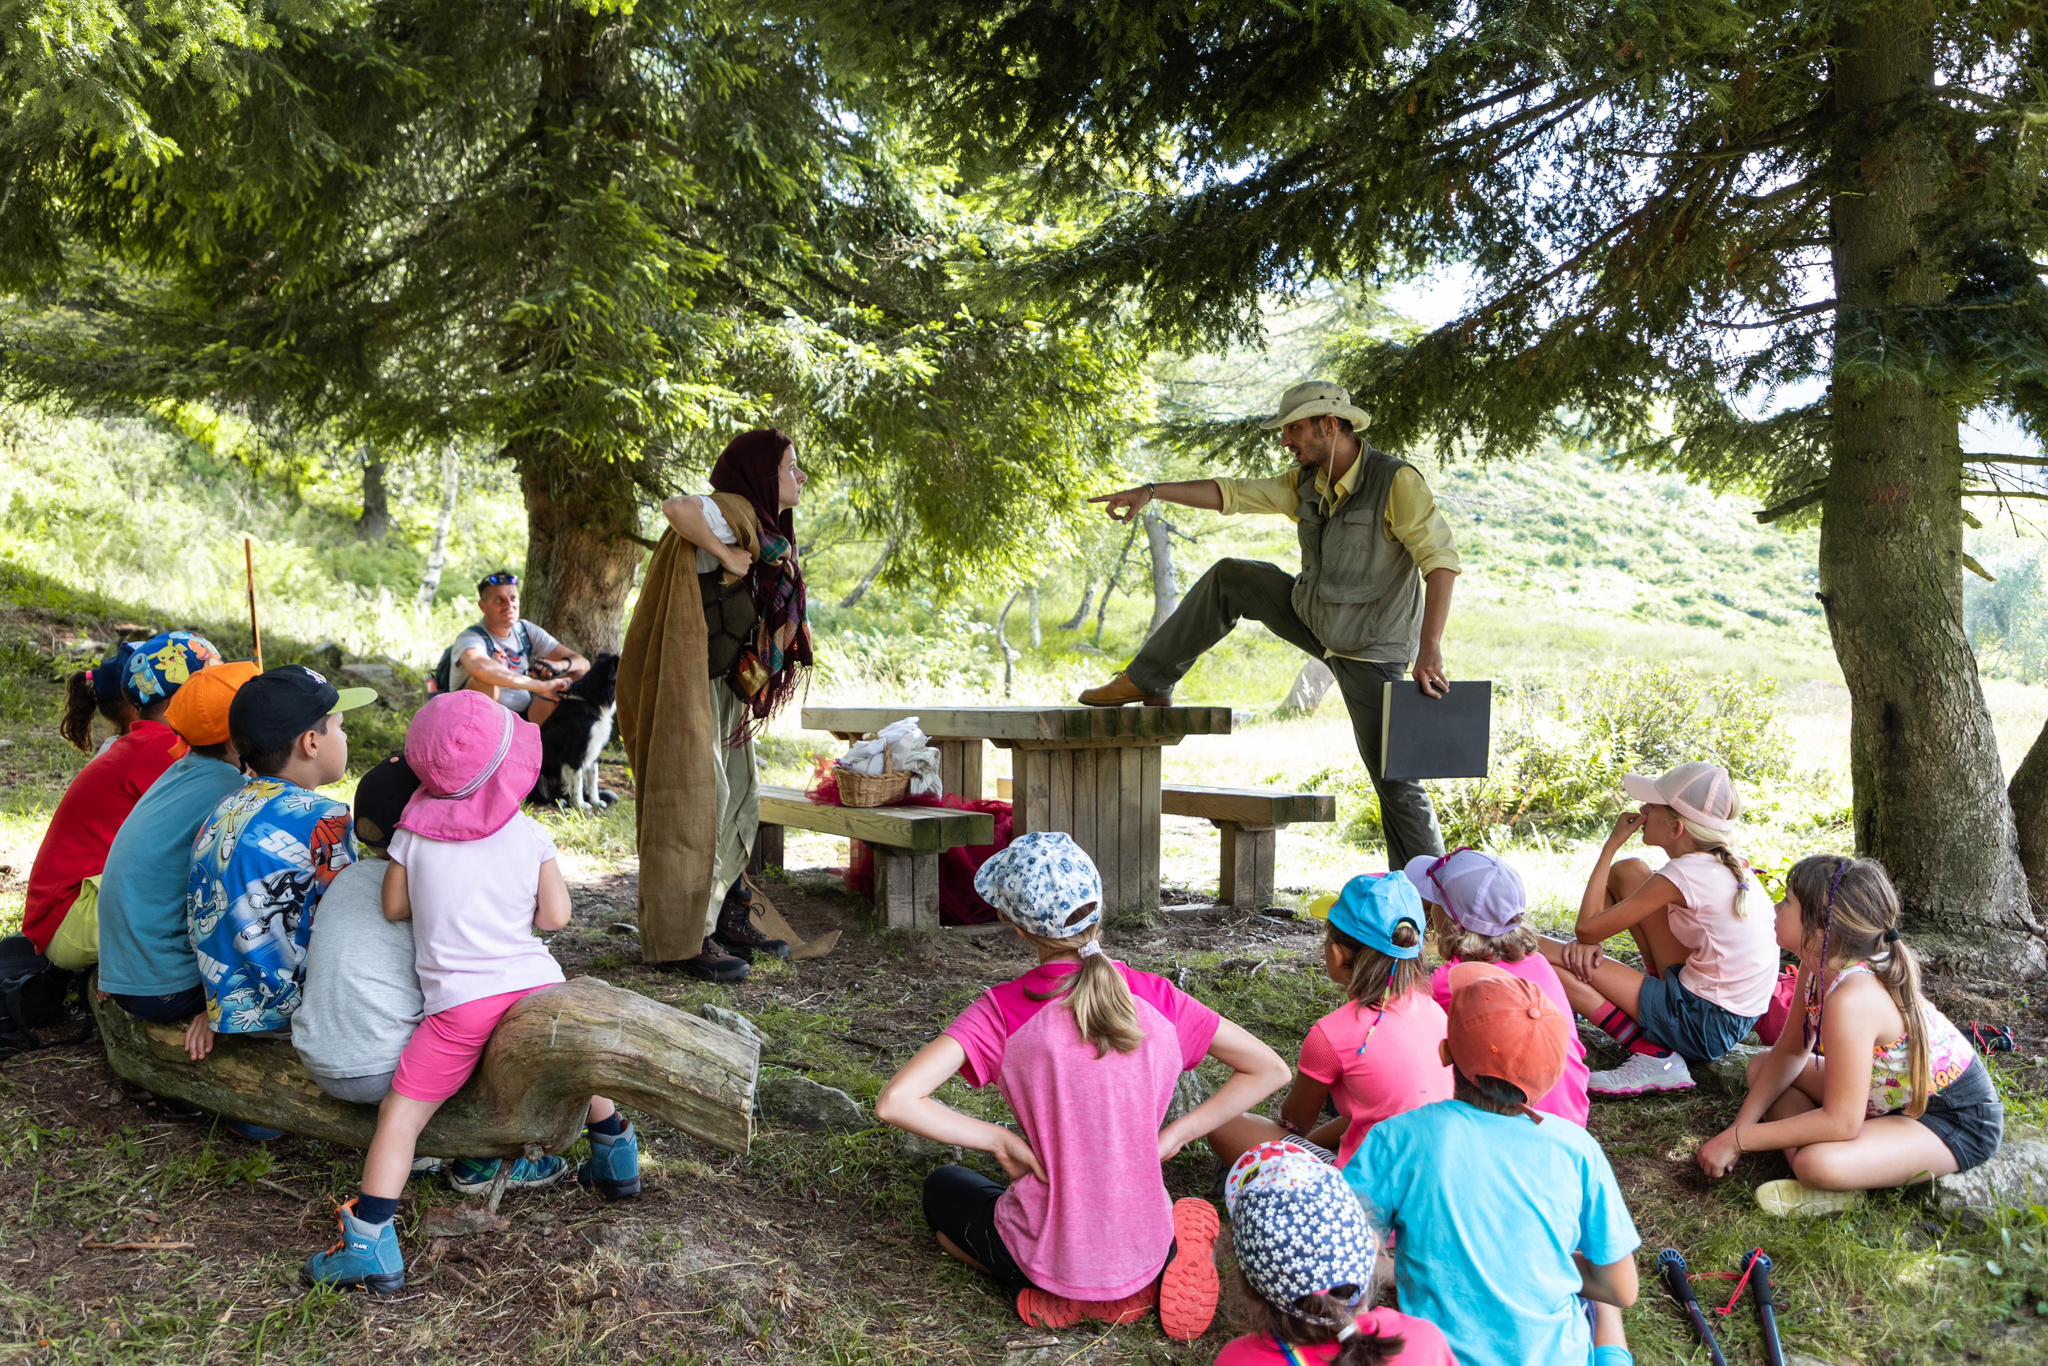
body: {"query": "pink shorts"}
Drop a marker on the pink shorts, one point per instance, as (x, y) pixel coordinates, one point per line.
(445, 1048)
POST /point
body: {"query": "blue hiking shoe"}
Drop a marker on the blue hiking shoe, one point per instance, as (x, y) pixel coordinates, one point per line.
(255, 1133)
(613, 1170)
(474, 1175)
(367, 1256)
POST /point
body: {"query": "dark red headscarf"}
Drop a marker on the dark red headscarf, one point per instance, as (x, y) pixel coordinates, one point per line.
(751, 468)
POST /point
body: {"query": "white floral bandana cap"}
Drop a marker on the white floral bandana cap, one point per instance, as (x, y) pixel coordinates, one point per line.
(1039, 881)
(1306, 1236)
(1276, 1162)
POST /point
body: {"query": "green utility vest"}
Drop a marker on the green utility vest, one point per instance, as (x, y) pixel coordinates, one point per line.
(1358, 589)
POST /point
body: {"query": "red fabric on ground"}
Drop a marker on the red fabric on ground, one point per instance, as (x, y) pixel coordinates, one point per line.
(959, 903)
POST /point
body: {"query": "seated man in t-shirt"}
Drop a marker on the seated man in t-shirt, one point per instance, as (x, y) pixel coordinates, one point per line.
(499, 654)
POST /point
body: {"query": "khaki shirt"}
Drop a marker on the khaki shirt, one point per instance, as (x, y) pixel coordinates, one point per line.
(1412, 517)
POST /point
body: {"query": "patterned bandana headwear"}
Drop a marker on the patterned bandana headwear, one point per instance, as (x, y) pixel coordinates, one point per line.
(1039, 881)
(1299, 1231)
(767, 676)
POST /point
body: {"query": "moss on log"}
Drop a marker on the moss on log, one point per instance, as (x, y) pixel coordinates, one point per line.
(547, 1058)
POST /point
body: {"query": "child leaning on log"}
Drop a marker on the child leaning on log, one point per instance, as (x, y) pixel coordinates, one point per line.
(477, 878)
(1088, 1053)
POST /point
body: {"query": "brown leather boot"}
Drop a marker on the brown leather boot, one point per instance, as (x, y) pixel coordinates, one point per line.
(1121, 692)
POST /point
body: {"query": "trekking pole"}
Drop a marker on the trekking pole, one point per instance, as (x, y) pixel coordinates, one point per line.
(255, 631)
(1671, 1262)
(1766, 1312)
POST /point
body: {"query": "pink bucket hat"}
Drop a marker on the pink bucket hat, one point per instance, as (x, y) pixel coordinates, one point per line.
(476, 760)
(1702, 793)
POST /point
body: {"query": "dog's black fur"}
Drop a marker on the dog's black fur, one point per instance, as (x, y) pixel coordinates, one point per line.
(573, 737)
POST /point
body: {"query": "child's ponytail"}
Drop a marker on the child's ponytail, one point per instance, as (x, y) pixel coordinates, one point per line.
(1376, 978)
(1898, 967)
(1104, 1010)
(1316, 1320)
(81, 702)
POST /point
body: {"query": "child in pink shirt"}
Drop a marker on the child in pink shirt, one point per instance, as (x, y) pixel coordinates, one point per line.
(1480, 906)
(1375, 1056)
(476, 877)
(1305, 1254)
(1087, 1052)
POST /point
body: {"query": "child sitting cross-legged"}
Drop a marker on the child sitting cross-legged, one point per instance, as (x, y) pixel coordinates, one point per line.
(477, 877)
(1305, 1254)
(1087, 1052)
(1878, 1089)
(1509, 1221)
(1480, 906)
(1375, 1056)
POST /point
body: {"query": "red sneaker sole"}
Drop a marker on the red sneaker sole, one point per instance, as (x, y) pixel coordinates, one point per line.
(1189, 1289)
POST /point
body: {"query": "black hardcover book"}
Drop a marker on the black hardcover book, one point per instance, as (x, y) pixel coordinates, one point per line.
(1436, 737)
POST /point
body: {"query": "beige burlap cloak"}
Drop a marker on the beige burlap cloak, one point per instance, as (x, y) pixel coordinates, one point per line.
(668, 726)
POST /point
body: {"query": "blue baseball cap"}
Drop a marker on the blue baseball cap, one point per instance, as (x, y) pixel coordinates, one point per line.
(1370, 909)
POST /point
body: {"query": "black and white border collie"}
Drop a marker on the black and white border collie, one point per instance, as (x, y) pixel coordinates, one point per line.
(575, 735)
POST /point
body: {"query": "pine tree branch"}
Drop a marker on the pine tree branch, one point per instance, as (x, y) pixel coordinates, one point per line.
(2003, 493)
(1989, 458)
(1791, 505)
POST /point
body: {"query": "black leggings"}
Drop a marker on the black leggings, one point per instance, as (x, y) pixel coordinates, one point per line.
(961, 1204)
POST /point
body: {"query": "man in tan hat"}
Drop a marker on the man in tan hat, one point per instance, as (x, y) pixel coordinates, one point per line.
(1373, 594)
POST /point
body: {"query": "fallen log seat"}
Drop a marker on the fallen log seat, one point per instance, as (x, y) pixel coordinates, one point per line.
(1249, 819)
(546, 1059)
(907, 842)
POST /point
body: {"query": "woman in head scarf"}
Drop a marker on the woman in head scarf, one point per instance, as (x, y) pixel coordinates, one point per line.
(718, 644)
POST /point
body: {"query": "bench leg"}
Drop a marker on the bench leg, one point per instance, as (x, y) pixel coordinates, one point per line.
(767, 850)
(906, 889)
(1247, 881)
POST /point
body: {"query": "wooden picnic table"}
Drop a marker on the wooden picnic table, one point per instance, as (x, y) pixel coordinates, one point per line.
(1090, 771)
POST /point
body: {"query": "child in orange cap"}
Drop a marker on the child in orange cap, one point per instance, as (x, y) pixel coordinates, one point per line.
(146, 959)
(1509, 1221)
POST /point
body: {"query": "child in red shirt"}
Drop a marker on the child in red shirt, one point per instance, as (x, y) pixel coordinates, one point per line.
(89, 814)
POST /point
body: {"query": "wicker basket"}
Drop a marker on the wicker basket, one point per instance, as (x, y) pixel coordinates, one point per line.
(873, 789)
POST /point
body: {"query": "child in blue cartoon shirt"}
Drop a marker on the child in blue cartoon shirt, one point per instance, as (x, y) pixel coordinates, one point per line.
(263, 859)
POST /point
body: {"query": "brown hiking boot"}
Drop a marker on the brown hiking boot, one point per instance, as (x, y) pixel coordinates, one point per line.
(1121, 692)
(712, 964)
(736, 933)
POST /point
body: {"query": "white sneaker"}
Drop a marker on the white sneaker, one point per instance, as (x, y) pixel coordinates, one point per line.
(1641, 1075)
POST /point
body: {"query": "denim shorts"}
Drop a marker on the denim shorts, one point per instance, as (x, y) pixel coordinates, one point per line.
(1967, 1116)
(1691, 1026)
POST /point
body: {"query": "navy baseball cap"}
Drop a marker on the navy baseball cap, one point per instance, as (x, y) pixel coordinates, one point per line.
(275, 708)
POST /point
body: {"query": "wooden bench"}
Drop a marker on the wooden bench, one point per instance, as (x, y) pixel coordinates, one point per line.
(907, 841)
(1249, 819)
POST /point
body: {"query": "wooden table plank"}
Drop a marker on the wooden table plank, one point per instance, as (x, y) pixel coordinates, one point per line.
(920, 829)
(1247, 805)
(1073, 724)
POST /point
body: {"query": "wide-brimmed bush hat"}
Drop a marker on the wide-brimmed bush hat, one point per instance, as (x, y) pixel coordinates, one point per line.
(1319, 398)
(1702, 793)
(476, 761)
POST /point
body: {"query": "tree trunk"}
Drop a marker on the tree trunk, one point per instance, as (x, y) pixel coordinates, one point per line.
(1311, 685)
(375, 523)
(867, 580)
(1073, 623)
(1165, 587)
(1003, 641)
(437, 557)
(1109, 589)
(550, 1054)
(1930, 798)
(1037, 630)
(582, 525)
(2029, 797)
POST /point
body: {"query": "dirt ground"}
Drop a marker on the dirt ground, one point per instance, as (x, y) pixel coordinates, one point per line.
(809, 1249)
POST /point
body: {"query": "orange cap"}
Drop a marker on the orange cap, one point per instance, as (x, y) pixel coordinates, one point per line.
(199, 710)
(1504, 1027)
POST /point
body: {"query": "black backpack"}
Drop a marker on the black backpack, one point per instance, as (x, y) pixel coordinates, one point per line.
(32, 994)
(444, 669)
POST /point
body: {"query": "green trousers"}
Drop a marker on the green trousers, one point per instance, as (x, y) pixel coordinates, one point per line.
(1230, 592)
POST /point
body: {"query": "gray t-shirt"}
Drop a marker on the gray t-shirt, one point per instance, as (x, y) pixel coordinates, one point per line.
(528, 642)
(362, 995)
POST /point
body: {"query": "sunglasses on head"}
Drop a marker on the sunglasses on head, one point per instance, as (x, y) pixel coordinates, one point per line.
(1438, 867)
(499, 580)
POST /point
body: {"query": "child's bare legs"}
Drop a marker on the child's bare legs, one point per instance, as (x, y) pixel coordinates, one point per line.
(1234, 1138)
(600, 1110)
(1607, 1330)
(953, 1250)
(399, 1122)
(1890, 1151)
